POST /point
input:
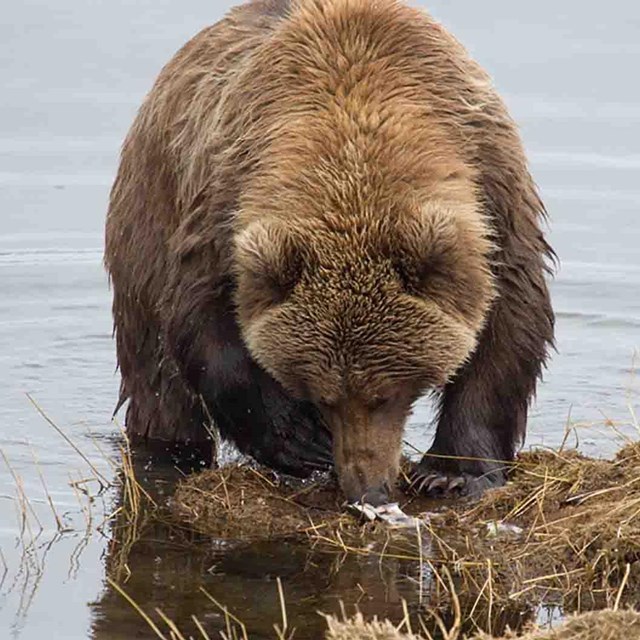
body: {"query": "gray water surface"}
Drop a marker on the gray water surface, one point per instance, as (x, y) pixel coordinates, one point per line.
(72, 75)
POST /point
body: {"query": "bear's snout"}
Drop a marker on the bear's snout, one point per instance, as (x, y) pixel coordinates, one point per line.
(366, 448)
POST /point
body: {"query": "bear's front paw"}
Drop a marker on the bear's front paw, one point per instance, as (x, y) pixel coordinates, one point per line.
(426, 481)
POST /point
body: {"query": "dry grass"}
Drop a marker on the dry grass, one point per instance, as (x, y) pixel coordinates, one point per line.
(602, 625)
(242, 502)
(599, 625)
(41, 525)
(357, 628)
(135, 513)
(580, 521)
(565, 531)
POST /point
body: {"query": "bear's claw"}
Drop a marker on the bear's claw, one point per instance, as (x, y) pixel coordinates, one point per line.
(429, 482)
(437, 484)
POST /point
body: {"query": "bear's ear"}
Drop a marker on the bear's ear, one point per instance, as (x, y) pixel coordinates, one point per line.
(269, 261)
(445, 255)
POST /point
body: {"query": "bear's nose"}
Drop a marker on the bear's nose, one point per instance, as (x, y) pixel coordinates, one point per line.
(375, 496)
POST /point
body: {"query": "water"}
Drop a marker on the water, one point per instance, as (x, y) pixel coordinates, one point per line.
(72, 75)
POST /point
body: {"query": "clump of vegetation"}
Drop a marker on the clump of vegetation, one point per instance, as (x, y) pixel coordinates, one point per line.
(601, 625)
(357, 628)
(565, 530)
(244, 502)
(249, 503)
(579, 531)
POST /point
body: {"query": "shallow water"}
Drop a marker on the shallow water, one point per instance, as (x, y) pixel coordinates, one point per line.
(72, 75)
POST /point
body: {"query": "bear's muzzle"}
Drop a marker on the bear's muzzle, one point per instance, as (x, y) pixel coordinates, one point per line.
(367, 446)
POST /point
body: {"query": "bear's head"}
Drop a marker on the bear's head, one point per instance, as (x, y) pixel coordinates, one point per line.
(364, 316)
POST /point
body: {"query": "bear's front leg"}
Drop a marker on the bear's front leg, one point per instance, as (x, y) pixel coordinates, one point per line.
(474, 444)
(483, 411)
(246, 404)
(261, 418)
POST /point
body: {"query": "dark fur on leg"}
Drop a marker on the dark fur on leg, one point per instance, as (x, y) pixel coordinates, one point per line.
(279, 432)
(474, 445)
(248, 406)
(163, 416)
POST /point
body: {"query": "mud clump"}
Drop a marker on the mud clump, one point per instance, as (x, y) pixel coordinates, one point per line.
(250, 502)
(247, 503)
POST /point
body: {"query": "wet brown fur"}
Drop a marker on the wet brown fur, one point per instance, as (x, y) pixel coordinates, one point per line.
(323, 209)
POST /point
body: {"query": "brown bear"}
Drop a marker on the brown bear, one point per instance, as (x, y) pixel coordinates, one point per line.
(323, 211)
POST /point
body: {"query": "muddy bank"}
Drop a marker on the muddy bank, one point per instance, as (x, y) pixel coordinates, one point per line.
(564, 532)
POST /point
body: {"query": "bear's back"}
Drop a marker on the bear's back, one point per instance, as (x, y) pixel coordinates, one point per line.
(175, 132)
(255, 89)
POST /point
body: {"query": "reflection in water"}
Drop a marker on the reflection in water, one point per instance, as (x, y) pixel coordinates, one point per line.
(170, 573)
(160, 564)
(52, 537)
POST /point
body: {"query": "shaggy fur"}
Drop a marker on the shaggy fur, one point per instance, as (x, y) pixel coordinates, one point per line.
(323, 211)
